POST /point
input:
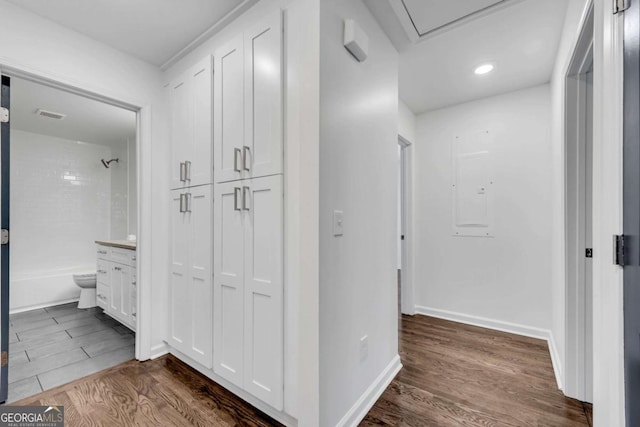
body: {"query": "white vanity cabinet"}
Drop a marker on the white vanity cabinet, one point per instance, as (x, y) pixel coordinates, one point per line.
(116, 288)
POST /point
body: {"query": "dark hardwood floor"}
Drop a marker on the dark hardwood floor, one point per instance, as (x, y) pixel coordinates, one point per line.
(460, 375)
(453, 375)
(163, 392)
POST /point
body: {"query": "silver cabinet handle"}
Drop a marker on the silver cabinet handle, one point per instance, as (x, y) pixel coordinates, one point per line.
(187, 206)
(187, 170)
(245, 204)
(236, 196)
(183, 171)
(102, 272)
(102, 252)
(182, 210)
(117, 268)
(237, 153)
(133, 258)
(246, 158)
(102, 297)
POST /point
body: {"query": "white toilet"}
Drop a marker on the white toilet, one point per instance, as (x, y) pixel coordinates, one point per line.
(87, 283)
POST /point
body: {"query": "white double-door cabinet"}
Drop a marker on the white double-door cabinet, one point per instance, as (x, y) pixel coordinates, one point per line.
(116, 287)
(191, 299)
(248, 119)
(191, 126)
(248, 286)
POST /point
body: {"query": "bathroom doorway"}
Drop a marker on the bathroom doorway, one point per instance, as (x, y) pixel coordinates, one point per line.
(73, 205)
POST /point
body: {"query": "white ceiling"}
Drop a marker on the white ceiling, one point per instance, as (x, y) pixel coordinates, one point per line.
(521, 39)
(87, 120)
(152, 30)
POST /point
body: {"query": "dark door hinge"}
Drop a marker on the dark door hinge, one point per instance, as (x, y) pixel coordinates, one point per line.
(4, 115)
(402, 237)
(618, 249)
(588, 253)
(620, 6)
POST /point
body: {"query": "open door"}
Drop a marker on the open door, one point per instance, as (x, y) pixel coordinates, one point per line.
(631, 214)
(4, 238)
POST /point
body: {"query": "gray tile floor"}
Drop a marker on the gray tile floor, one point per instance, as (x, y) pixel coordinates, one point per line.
(52, 346)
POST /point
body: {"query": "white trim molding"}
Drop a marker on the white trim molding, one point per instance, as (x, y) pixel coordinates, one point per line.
(364, 404)
(499, 325)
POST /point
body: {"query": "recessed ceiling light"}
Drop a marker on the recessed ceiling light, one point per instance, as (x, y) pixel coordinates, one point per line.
(484, 69)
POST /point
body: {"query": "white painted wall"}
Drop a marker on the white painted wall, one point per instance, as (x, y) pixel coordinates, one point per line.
(36, 45)
(406, 122)
(570, 34)
(358, 175)
(504, 279)
(55, 221)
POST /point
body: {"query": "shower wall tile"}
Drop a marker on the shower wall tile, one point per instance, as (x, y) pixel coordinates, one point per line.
(61, 202)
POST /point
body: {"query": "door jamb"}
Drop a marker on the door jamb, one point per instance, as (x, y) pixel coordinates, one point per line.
(575, 293)
(407, 293)
(144, 179)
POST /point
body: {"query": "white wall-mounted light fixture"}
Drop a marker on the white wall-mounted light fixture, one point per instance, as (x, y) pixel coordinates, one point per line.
(484, 69)
(355, 40)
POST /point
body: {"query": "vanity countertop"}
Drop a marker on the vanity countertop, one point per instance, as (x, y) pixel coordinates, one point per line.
(123, 244)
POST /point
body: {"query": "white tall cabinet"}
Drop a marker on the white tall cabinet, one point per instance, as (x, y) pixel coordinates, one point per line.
(248, 218)
(191, 292)
(227, 223)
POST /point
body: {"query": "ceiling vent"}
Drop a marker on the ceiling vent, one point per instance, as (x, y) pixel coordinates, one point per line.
(50, 114)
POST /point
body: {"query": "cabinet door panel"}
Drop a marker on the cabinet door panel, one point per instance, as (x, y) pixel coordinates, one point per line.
(263, 114)
(264, 285)
(228, 282)
(125, 294)
(228, 110)
(202, 97)
(181, 128)
(179, 295)
(201, 305)
(115, 299)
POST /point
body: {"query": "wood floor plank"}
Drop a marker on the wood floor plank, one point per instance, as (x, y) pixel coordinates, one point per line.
(160, 392)
(456, 374)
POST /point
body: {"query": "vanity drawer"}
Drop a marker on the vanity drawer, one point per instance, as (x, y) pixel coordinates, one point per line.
(102, 295)
(103, 272)
(103, 252)
(123, 256)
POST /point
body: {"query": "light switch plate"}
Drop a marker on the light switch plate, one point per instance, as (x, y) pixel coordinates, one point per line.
(338, 223)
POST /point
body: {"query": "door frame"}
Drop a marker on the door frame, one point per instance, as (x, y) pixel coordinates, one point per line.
(143, 350)
(407, 295)
(576, 117)
(608, 88)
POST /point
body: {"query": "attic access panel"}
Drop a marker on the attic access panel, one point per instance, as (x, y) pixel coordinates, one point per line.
(428, 16)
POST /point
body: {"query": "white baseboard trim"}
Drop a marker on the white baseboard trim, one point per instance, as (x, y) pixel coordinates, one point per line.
(556, 361)
(44, 305)
(498, 325)
(364, 404)
(159, 350)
